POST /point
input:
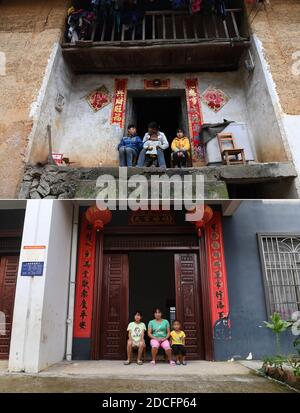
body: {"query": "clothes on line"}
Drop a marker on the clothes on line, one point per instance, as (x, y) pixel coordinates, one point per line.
(129, 13)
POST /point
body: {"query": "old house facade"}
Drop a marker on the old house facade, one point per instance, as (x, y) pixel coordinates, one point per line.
(169, 68)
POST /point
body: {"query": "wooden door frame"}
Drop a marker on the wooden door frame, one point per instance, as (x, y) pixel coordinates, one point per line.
(196, 283)
(204, 296)
(97, 300)
(7, 234)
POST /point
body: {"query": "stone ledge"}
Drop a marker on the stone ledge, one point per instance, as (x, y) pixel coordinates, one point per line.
(61, 182)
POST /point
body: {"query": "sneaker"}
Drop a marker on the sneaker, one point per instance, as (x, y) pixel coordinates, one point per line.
(184, 363)
(177, 363)
(127, 362)
(139, 362)
(172, 363)
(153, 363)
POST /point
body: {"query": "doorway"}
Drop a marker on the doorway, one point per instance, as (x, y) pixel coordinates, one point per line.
(167, 110)
(141, 280)
(152, 284)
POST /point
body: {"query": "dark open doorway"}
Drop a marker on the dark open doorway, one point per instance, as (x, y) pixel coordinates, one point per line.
(152, 284)
(167, 111)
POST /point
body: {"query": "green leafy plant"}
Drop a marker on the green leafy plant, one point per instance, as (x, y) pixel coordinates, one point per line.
(294, 363)
(278, 326)
(276, 362)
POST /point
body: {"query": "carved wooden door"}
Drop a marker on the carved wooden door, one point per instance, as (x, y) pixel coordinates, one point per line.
(114, 311)
(188, 308)
(8, 280)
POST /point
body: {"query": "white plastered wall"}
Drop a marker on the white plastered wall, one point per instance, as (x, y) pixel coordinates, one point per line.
(41, 303)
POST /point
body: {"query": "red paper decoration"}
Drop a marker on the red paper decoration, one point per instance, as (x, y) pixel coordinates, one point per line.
(119, 104)
(85, 281)
(98, 98)
(217, 277)
(195, 120)
(215, 99)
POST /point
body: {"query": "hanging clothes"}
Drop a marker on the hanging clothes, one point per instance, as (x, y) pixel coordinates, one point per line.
(210, 130)
(179, 4)
(209, 7)
(80, 22)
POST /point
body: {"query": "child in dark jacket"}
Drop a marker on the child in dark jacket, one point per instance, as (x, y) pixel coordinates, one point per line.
(129, 147)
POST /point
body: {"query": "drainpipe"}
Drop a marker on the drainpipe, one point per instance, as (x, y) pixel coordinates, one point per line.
(72, 281)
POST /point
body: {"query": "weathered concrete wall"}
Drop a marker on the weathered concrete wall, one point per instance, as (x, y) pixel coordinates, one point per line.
(276, 28)
(57, 80)
(87, 137)
(268, 137)
(28, 31)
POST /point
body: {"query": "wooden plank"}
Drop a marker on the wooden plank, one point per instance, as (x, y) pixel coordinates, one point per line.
(133, 34)
(205, 28)
(103, 32)
(215, 26)
(113, 31)
(184, 28)
(195, 28)
(153, 27)
(174, 26)
(226, 29)
(144, 27)
(235, 24)
(123, 33)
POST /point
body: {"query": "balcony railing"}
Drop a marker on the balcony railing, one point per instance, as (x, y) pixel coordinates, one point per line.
(190, 42)
(170, 27)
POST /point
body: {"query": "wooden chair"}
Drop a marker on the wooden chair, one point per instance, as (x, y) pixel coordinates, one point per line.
(229, 153)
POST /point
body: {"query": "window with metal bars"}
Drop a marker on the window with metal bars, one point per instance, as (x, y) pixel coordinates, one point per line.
(280, 256)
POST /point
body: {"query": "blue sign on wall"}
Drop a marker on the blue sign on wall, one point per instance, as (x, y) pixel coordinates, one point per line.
(32, 269)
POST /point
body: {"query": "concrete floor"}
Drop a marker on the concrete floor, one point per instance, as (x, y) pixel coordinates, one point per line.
(112, 376)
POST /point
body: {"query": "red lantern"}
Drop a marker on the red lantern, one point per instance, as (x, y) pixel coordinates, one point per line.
(98, 218)
(207, 216)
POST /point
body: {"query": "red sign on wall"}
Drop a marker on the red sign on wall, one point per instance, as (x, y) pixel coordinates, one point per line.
(217, 277)
(119, 102)
(85, 281)
(195, 120)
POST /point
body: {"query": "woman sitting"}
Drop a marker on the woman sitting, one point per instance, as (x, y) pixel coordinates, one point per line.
(181, 149)
(159, 334)
(129, 147)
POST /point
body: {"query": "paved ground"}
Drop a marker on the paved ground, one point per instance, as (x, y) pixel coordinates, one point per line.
(111, 376)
